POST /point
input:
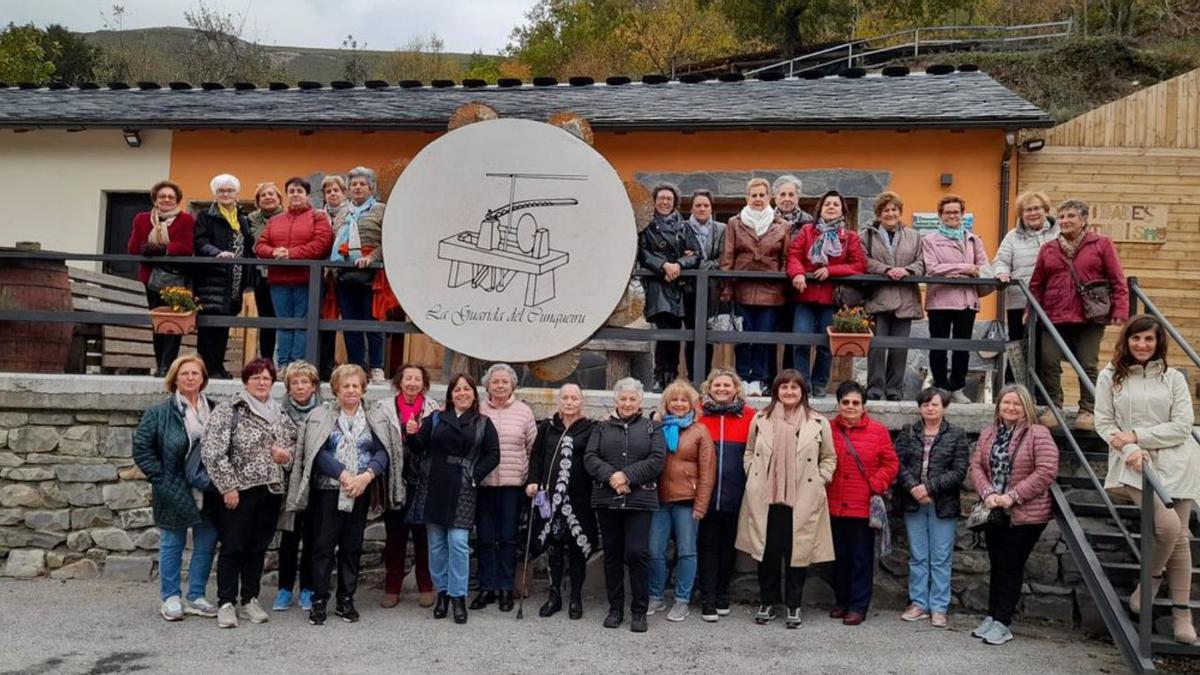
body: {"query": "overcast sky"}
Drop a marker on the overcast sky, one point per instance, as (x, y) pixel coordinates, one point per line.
(464, 25)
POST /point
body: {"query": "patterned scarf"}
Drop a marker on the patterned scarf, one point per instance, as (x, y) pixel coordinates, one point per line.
(734, 407)
(759, 221)
(703, 231)
(955, 233)
(667, 223)
(352, 430)
(298, 412)
(672, 425)
(827, 244)
(1070, 247)
(1000, 458)
(790, 217)
(348, 236)
(194, 419)
(159, 222)
(781, 472)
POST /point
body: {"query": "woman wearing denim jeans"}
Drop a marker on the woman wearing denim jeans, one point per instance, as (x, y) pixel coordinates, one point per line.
(934, 457)
(300, 233)
(684, 489)
(164, 437)
(455, 448)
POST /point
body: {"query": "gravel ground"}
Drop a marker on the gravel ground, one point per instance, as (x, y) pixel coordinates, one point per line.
(105, 627)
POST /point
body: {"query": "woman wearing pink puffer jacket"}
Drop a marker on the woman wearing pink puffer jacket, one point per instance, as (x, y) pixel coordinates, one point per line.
(498, 509)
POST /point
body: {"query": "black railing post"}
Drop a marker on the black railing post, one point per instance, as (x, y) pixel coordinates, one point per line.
(699, 364)
(1132, 283)
(1031, 347)
(312, 322)
(1146, 618)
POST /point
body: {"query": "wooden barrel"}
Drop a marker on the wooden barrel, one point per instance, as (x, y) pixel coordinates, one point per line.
(37, 285)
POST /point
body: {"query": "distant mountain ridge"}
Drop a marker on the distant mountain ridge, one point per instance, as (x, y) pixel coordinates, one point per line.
(300, 63)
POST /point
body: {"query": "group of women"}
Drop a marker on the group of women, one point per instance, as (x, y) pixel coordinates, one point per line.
(813, 252)
(785, 485)
(284, 225)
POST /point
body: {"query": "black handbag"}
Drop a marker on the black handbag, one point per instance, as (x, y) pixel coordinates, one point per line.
(856, 295)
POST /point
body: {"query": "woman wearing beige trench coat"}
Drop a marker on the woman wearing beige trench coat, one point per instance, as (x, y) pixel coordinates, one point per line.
(784, 519)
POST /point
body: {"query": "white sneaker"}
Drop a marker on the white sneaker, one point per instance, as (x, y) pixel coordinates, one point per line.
(378, 376)
(983, 627)
(957, 396)
(172, 609)
(227, 616)
(656, 605)
(679, 612)
(998, 634)
(200, 607)
(254, 612)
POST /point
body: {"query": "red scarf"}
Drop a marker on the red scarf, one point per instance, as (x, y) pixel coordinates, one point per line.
(408, 411)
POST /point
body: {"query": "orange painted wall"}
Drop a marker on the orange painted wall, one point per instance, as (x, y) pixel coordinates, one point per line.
(916, 159)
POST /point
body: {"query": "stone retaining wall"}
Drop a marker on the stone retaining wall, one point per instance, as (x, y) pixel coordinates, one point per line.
(74, 506)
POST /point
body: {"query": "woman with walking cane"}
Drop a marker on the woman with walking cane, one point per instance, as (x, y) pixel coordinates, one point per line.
(562, 520)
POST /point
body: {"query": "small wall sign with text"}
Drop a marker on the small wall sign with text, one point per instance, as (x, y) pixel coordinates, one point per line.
(509, 240)
(930, 221)
(1134, 222)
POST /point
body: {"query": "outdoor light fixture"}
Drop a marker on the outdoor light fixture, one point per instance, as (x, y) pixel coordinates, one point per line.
(132, 138)
(1034, 144)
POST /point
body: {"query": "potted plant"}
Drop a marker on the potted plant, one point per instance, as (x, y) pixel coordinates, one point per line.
(850, 334)
(178, 317)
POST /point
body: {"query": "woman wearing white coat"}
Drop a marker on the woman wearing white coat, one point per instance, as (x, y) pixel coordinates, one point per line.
(1144, 411)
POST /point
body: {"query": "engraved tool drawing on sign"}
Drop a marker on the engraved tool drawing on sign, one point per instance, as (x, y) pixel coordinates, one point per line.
(504, 247)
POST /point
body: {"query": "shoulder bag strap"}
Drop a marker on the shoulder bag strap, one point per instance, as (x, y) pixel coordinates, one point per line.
(854, 453)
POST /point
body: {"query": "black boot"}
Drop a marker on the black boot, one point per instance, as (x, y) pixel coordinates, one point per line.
(316, 615)
(482, 600)
(460, 609)
(553, 604)
(442, 606)
(638, 623)
(346, 610)
(506, 601)
(614, 618)
(575, 609)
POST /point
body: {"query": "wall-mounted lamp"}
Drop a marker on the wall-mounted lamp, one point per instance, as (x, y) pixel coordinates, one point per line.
(1034, 144)
(132, 138)
(947, 179)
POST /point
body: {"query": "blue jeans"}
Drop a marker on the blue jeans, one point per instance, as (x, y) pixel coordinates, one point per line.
(673, 518)
(291, 302)
(497, 518)
(813, 318)
(755, 363)
(355, 302)
(170, 558)
(930, 552)
(449, 559)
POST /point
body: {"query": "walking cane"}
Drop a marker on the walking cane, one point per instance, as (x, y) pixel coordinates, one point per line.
(525, 570)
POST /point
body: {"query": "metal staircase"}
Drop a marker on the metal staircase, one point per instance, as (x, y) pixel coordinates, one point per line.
(1106, 538)
(879, 49)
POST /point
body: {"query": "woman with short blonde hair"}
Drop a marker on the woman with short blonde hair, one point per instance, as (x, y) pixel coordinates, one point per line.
(268, 203)
(344, 447)
(1018, 253)
(894, 251)
(166, 435)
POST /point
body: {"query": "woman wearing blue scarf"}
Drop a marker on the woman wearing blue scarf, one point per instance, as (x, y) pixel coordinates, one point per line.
(952, 251)
(357, 236)
(684, 490)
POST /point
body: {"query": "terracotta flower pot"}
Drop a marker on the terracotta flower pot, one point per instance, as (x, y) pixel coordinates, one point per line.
(849, 344)
(167, 322)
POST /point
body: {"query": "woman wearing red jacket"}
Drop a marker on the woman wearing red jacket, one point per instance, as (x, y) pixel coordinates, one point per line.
(823, 249)
(164, 230)
(1076, 257)
(866, 466)
(300, 233)
(1013, 468)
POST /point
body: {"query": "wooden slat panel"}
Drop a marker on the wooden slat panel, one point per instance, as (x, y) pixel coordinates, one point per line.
(101, 279)
(116, 295)
(113, 361)
(1162, 116)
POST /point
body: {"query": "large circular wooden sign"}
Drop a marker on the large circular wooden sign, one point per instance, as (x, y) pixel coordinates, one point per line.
(509, 240)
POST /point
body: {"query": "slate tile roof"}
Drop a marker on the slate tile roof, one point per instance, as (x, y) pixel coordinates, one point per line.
(956, 100)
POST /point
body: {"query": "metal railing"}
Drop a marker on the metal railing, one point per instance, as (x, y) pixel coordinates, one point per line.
(910, 42)
(313, 324)
(1134, 643)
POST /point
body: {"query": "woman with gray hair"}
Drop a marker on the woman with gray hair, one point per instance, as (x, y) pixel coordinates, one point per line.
(625, 455)
(498, 512)
(357, 235)
(222, 231)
